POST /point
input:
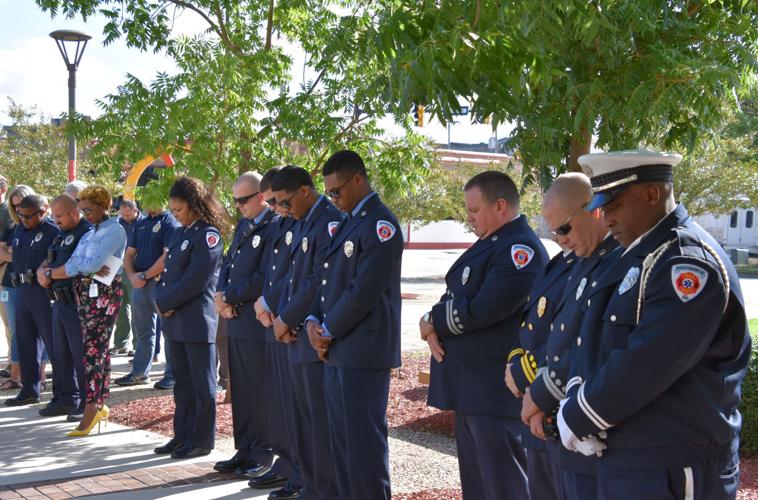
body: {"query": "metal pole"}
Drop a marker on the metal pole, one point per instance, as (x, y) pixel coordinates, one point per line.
(71, 111)
(448, 135)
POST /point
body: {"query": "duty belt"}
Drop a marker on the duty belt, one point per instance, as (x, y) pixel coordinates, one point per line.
(27, 278)
(64, 295)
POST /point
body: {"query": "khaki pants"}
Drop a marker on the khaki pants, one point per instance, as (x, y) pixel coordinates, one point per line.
(4, 317)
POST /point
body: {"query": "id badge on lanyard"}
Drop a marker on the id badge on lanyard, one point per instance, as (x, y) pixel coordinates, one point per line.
(93, 291)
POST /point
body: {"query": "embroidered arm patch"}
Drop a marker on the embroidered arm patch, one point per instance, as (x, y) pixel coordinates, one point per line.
(688, 281)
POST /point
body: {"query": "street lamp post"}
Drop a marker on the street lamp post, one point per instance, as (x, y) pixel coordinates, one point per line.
(76, 41)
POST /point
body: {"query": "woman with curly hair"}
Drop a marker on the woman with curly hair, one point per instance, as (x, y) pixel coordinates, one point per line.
(96, 303)
(184, 300)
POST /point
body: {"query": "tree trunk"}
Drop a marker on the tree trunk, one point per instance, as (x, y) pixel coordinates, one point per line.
(579, 146)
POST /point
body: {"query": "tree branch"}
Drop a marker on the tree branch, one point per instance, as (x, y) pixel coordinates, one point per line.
(269, 24)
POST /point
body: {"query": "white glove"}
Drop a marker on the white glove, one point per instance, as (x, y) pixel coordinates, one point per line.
(588, 446)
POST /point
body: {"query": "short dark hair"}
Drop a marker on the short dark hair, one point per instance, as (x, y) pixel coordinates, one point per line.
(268, 177)
(494, 186)
(33, 201)
(291, 178)
(345, 162)
(128, 204)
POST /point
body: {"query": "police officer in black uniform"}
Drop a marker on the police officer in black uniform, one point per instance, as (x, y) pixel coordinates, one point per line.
(68, 364)
(34, 236)
(355, 326)
(285, 471)
(185, 302)
(240, 284)
(661, 404)
(472, 330)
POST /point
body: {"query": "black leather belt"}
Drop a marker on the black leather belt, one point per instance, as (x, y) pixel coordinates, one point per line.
(64, 295)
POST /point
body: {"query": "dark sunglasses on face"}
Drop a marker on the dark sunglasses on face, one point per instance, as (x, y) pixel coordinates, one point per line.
(271, 202)
(285, 204)
(244, 199)
(565, 228)
(335, 193)
(28, 217)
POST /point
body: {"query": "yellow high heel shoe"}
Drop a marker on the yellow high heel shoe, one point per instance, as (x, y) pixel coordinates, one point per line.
(100, 415)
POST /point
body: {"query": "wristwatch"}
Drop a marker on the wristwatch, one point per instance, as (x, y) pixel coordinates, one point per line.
(142, 276)
(223, 298)
(428, 317)
(49, 273)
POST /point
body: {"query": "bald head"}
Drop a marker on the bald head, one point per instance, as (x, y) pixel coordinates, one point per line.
(568, 192)
(65, 202)
(251, 180)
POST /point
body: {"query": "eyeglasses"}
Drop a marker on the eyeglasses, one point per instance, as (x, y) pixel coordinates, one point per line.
(285, 204)
(565, 228)
(86, 211)
(335, 193)
(244, 199)
(28, 217)
(271, 202)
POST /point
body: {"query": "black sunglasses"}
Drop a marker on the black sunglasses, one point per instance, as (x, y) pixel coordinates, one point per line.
(28, 217)
(271, 202)
(244, 199)
(565, 228)
(285, 204)
(335, 193)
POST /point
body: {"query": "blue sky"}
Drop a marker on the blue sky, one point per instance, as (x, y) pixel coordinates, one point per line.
(32, 71)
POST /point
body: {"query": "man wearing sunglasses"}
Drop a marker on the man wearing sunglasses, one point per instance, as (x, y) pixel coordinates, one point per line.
(657, 392)
(33, 311)
(316, 217)
(143, 263)
(540, 374)
(355, 327)
(239, 285)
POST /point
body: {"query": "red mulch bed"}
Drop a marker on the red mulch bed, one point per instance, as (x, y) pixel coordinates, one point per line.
(435, 494)
(748, 478)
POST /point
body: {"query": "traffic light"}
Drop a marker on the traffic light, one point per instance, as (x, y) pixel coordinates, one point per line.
(418, 114)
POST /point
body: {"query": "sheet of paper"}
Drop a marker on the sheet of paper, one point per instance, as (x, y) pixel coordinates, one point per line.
(114, 264)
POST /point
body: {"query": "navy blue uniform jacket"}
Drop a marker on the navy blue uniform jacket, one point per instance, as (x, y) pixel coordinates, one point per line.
(477, 320)
(277, 264)
(63, 247)
(243, 273)
(30, 246)
(188, 283)
(360, 299)
(307, 254)
(674, 348)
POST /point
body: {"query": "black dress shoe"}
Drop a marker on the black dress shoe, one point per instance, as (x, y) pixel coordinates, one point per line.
(266, 481)
(285, 493)
(75, 416)
(168, 448)
(187, 452)
(56, 410)
(20, 400)
(230, 465)
(252, 469)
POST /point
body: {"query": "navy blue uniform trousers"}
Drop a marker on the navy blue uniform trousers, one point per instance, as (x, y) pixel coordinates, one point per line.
(68, 356)
(491, 458)
(33, 331)
(194, 393)
(544, 476)
(356, 401)
(311, 432)
(281, 405)
(247, 375)
(577, 485)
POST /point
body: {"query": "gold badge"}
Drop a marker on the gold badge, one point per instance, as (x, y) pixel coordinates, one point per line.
(288, 238)
(304, 245)
(348, 249)
(465, 275)
(541, 306)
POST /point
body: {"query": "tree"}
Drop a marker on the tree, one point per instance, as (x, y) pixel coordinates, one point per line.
(626, 72)
(34, 152)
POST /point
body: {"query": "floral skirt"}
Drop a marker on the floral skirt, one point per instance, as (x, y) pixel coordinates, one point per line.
(97, 316)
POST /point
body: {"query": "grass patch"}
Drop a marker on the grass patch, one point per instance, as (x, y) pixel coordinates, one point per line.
(751, 269)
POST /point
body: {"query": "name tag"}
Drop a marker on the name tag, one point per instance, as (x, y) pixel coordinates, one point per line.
(93, 291)
(4, 296)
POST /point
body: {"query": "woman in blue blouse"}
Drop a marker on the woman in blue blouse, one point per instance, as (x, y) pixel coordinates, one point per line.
(98, 304)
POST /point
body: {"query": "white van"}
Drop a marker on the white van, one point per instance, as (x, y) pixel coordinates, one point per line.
(741, 229)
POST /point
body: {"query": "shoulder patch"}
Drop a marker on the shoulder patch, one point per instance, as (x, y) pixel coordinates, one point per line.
(385, 230)
(212, 238)
(521, 255)
(688, 280)
(332, 228)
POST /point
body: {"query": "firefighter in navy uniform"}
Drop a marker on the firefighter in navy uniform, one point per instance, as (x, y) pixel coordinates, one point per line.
(285, 471)
(661, 405)
(31, 240)
(68, 375)
(526, 360)
(239, 286)
(585, 234)
(355, 327)
(184, 300)
(471, 332)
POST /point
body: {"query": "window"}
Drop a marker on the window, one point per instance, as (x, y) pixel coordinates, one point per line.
(733, 219)
(749, 219)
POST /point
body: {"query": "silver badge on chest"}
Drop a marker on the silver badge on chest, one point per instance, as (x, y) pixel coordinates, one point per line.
(256, 240)
(288, 238)
(38, 237)
(632, 275)
(465, 275)
(157, 227)
(69, 239)
(304, 245)
(185, 244)
(348, 248)
(580, 288)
